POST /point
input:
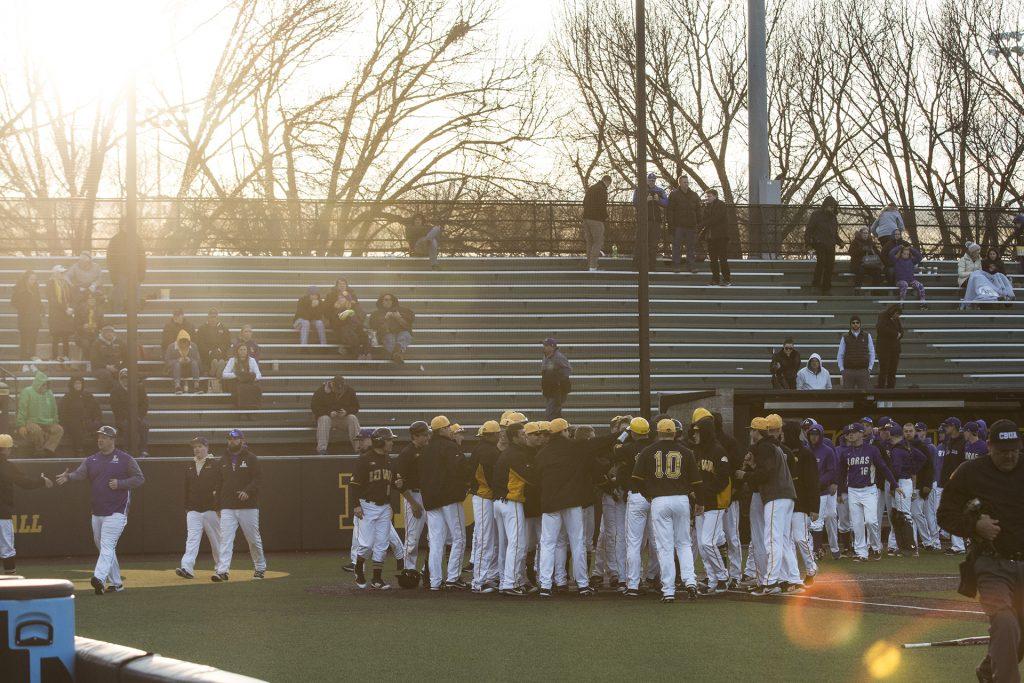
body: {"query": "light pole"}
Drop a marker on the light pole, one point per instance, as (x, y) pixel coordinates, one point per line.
(763, 190)
(643, 276)
(131, 242)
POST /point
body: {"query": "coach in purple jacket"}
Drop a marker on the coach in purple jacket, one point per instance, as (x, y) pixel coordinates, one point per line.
(112, 474)
(828, 487)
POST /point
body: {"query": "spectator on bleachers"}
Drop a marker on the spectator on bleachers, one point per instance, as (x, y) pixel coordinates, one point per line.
(80, 417)
(182, 360)
(26, 300)
(856, 356)
(555, 385)
(119, 403)
(684, 209)
(785, 365)
(865, 259)
(905, 259)
(423, 240)
(813, 376)
(246, 336)
(173, 327)
(334, 406)
(214, 342)
(88, 320)
(393, 325)
(84, 275)
(108, 357)
(987, 287)
(968, 263)
(715, 233)
(822, 237)
(653, 199)
(310, 311)
(595, 215)
(1018, 238)
(59, 298)
(888, 226)
(119, 263)
(890, 333)
(992, 263)
(38, 422)
(349, 333)
(340, 290)
(242, 375)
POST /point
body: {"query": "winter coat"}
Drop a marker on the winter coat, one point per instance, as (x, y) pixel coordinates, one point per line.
(26, 300)
(965, 266)
(171, 330)
(595, 202)
(808, 380)
(176, 352)
(213, 340)
(654, 207)
(382, 324)
(903, 268)
(119, 401)
(554, 375)
(823, 227)
(326, 400)
(118, 259)
(36, 404)
(59, 298)
(106, 353)
(859, 248)
(79, 409)
(684, 209)
(786, 366)
(715, 221)
(306, 309)
(887, 223)
(888, 333)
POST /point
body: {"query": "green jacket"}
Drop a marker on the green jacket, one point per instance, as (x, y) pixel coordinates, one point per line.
(35, 404)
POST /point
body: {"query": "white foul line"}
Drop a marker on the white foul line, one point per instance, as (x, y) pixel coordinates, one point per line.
(882, 604)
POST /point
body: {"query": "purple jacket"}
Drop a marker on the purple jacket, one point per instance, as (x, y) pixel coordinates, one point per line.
(99, 469)
(906, 461)
(973, 451)
(828, 464)
(860, 466)
(903, 268)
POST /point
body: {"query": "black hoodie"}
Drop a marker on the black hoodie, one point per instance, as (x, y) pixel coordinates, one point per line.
(804, 470)
(713, 463)
(380, 323)
(11, 474)
(77, 408)
(823, 226)
(566, 472)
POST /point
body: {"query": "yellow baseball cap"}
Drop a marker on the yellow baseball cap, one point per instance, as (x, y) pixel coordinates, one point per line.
(489, 427)
(700, 414)
(545, 426)
(557, 425)
(533, 428)
(666, 426)
(760, 424)
(503, 420)
(774, 421)
(6, 441)
(440, 422)
(517, 418)
(456, 428)
(639, 425)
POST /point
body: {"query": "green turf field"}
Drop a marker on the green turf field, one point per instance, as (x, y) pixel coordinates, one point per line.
(308, 624)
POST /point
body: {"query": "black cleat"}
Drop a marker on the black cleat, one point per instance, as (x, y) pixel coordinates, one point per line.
(218, 578)
(350, 567)
(631, 593)
(516, 592)
(97, 585)
(114, 588)
(587, 592)
(691, 592)
(668, 599)
(379, 585)
(458, 585)
(596, 581)
(258, 575)
(544, 593)
(184, 573)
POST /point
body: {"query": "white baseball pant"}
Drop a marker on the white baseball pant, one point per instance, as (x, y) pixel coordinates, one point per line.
(611, 536)
(637, 512)
(561, 576)
(6, 539)
(511, 526)
(197, 523)
(885, 511)
(919, 510)
(448, 519)
(863, 506)
(800, 537)
(249, 521)
(374, 531)
(710, 526)
(106, 530)
(413, 530)
(732, 538)
(670, 516)
(778, 520)
(756, 555)
(933, 520)
(843, 516)
(588, 528)
(828, 520)
(553, 524)
(394, 541)
(485, 537)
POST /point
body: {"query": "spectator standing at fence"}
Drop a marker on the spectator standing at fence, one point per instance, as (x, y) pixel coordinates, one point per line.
(865, 259)
(182, 360)
(968, 263)
(652, 198)
(888, 226)
(310, 311)
(108, 357)
(88, 320)
(38, 422)
(119, 265)
(554, 379)
(334, 406)
(822, 237)
(80, 416)
(246, 336)
(684, 209)
(214, 342)
(62, 313)
(393, 325)
(84, 275)
(242, 374)
(856, 356)
(890, 334)
(173, 327)
(595, 216)
(785, 365)
(813, 376)
(904, 261)
(28, 303)
(119, 402)
(423, 240)
(715, 231)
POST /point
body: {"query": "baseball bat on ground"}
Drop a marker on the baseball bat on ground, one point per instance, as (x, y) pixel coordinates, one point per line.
(957, 642)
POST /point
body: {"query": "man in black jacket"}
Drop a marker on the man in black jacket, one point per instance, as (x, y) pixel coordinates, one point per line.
(683, 218)
(804, 470)
(715, 232)
(202, 487)
(785, 365)
(951, 453)
(239, 504)
(334, 406)
(214, 341)
(120, 262)
(822, 237)
(11, 475)
(107, 358)
(443, 485)
(80, 416)
(595, 215)
(716, 474)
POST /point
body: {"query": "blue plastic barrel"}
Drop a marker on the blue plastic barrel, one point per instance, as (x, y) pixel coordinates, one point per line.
(37, 620)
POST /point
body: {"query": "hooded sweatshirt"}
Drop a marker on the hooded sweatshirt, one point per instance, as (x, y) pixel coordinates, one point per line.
(826, 458)
(179, 351)
(565, 469)
(903, 268)
(384, 325)
(78, 408)
(713, 463)
(808, 380)
(804, 470)
(36, 404)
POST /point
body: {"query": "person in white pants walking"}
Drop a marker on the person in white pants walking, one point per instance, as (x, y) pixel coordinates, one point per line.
(860, 468)
(239, 506)
(112, 475)
(11, 475)
(371, 483)
(202, 481)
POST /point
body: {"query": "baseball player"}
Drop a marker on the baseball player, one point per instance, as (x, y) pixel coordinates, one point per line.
(668, 475)
(713, 463)
(924, 518)
(906, 461)
(512, 472)
(11, 474)
(112, 475)
(610, 558)
(826, 525)
(950, 456)
(442, 483)
(637, 506)
(539, 435)
(731, 529)
(362, 444)
(804, 470)
(371, 483)
(481, 485)
(202, 485)
(239, 506)
(859, 468)
(407, 480)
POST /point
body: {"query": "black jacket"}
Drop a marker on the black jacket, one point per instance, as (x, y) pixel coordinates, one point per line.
(119, 401)
(713, 463)
(595, 202)
(407, 468)
(380, 323)
(240, 472)
(306, 309)
(565, 469)
(684, 209)
(715, 221)
(442, 479)
(27, 301)
(11, 475)
(481, 469)
(822, 229)
(79, 408)
(1000, 498)
(888, 333)
(786, 366)
(202, 490)
(953, 456)
(804, 470)
(106, 353)
(213, 340)
(325, 401)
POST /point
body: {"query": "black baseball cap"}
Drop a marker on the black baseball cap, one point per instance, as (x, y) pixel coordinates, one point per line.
(235, 434)
(867, 420)
(856, 427)
(419, 427)
(921, 426)
(1004, 433)
(200, 440)
(952, 421)
(107, 430)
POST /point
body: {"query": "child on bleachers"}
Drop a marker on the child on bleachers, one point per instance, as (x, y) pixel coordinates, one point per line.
(904, 260)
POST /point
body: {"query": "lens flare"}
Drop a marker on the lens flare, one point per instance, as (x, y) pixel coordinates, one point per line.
(882, 659)
(823, 624)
